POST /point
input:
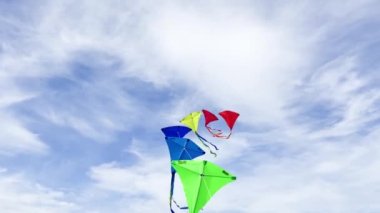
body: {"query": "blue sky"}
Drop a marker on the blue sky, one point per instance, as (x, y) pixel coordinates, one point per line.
(87, 85)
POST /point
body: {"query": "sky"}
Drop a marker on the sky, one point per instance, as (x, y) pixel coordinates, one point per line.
(86, 86)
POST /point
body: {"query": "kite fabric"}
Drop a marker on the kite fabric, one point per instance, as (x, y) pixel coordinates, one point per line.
(183, 148)
(228, 116)
(180, 149)
(192, 121)
(201, 180)
(176, 131)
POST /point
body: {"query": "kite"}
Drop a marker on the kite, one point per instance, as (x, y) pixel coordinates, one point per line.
(180, 149)
(228, 116)
(175, 131)
(183, 148)
(192, 121)
(201, 180)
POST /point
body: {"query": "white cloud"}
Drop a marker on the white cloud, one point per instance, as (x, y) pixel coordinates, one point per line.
(11, 93)
(339, 85)
(18, 194)
(247, 57)
(14, 138)
(230, 59)
(332, 177)
(143, 186)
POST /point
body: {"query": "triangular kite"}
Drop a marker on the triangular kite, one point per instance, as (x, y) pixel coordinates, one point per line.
(192, 120)
(201, 180)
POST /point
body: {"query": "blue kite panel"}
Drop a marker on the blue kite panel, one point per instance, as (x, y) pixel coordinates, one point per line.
(175, 131)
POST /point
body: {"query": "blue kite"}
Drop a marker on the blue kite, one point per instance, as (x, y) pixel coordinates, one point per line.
(175, 131)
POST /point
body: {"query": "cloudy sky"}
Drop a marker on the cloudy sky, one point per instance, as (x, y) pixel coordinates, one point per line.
(87, 85)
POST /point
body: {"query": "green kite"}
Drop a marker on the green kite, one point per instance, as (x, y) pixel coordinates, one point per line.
(200, 180)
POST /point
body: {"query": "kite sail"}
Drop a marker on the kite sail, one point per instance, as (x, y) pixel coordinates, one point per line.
(201, 180)
(228, 116)
(183, 149)
(180, 149)
(192, 121)
(176, 131)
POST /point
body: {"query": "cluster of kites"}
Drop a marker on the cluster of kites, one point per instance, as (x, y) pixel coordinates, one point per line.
(200, 179)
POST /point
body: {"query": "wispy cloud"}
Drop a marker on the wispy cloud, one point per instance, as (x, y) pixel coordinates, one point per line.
(83, 84)
(18, 194)
(27, 142)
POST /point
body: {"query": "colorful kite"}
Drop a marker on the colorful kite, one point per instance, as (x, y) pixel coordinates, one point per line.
(228, 116)
(176, 131)
(200, 179)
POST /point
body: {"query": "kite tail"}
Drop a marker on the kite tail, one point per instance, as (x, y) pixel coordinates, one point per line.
(171, 194)
(219, 133)
(209, 149)
(203, 139)
(171, 191)
(204, 142)
(185, 207)
(224, 136)
(212, 131)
